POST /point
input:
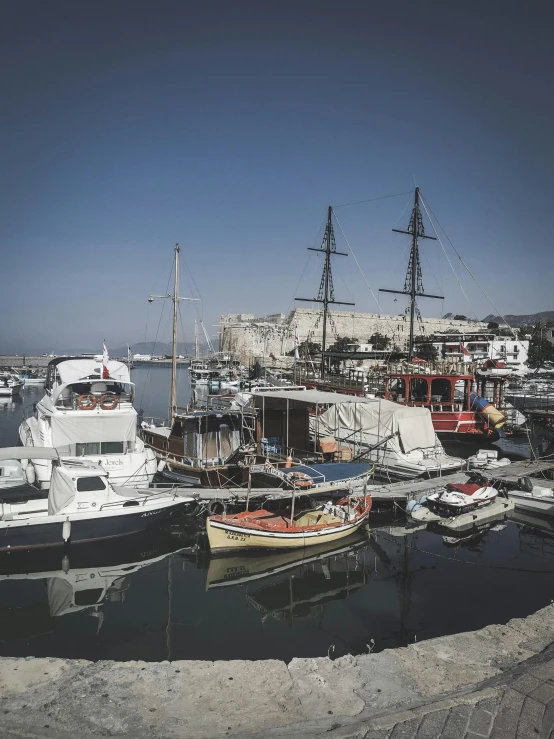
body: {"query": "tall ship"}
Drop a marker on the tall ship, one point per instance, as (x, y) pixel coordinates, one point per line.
(87, 411)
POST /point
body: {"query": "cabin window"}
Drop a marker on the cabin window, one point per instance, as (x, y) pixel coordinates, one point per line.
(97, 447)
(90, 484)
(418, 390)
(397, 388)
(461, 392)
(440, 390)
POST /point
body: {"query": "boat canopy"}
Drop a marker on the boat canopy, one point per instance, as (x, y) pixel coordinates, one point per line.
(79, 429)
(307, 397)
(375, 418)
(62, 482)
(28, 452)
(73, 369)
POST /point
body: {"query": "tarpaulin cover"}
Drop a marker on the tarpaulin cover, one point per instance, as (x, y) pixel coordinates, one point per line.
(73, 370)
(60, 596)
(80, 429)
(62, 490)
(375, 419)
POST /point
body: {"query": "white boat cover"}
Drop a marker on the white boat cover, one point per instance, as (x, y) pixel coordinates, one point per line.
(28, 452)
(62, 490)
(375, 419)
(73, 370)
(76, 429)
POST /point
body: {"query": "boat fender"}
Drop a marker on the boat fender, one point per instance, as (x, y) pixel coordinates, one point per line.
(108, 401)
(86, 402)
(161, 465)
(66, 529)
(65, 564)
(30, 474)
(216, 508)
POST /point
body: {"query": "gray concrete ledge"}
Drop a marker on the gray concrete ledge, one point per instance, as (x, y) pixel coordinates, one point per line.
(363, 696)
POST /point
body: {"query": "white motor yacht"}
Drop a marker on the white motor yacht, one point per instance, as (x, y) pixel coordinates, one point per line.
(87, 411)
(10, 384)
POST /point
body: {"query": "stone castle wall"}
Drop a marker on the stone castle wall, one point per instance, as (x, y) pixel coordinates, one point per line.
(249, 337)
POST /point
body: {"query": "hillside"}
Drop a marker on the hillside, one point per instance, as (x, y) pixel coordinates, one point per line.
(522, 320)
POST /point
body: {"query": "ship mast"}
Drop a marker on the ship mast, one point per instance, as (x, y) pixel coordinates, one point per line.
(413, 284)
(326, 293)
(175, 298)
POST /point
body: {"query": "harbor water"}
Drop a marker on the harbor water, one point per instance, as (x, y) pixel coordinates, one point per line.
(160, 596)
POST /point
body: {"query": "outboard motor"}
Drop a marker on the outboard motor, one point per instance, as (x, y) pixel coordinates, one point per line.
(525, 484)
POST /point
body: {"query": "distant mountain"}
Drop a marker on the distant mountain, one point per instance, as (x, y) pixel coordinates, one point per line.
(522, 320)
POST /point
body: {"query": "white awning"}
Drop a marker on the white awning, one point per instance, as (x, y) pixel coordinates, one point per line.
(73, 370)
(27, 452)
(311, 397)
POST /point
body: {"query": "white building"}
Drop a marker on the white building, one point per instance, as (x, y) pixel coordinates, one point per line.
(477, 347)
(142, 357)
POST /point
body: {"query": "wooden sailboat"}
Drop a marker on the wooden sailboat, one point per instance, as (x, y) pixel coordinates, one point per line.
(280, 529)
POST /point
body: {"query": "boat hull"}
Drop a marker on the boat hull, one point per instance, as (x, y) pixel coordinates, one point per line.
(224, 536)
(532, 503)
(31, 535)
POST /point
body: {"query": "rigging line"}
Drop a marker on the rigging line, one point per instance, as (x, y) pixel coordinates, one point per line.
(298, 283)
(362, 272)
(448, 258)
(372, 200)
(498, 313)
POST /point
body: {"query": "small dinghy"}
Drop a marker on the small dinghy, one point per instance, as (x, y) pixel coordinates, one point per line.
(83, 506)
(277, 529)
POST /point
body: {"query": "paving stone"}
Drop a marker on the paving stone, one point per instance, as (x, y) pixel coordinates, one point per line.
(432, 725)
(530, 719)
(526, 684)
(480, 722)
(491, 704)
(406, 730)
(378, 734)
(506, 721)
(456, 723)
(544, 671)
(548, 721)
(544, 693)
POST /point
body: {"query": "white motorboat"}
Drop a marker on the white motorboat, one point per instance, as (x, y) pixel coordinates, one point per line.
(494, 368)
(10, 384)
(531, 497)
(457, 498)
(87, 411)
(486, 459)
(82, 506)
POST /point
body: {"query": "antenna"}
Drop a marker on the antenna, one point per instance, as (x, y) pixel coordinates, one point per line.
(326, 293)
(413, 284)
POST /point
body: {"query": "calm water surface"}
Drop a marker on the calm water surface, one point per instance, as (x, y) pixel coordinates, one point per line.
(160, 597)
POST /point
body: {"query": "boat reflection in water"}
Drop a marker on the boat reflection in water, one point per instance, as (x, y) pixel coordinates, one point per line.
(536, 533)
(290, 584)
(50, 583)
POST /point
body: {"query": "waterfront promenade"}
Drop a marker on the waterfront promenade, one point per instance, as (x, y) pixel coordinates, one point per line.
(496, 682)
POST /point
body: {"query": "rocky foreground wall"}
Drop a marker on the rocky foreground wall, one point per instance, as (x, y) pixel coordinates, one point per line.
(350, 697)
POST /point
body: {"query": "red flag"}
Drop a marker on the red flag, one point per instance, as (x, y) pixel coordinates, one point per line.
(464, 350)
(105, 358)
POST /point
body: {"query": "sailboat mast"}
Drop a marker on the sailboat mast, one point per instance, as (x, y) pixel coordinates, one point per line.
(326, 293)
(413, 284)
(326, 271)
(173, 399)
(414, 260)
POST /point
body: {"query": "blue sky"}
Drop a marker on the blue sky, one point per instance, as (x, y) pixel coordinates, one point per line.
(230, 126)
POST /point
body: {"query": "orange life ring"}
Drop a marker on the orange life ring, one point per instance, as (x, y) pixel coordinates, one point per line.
(300, 479)
(108, 401)
(86, 402)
